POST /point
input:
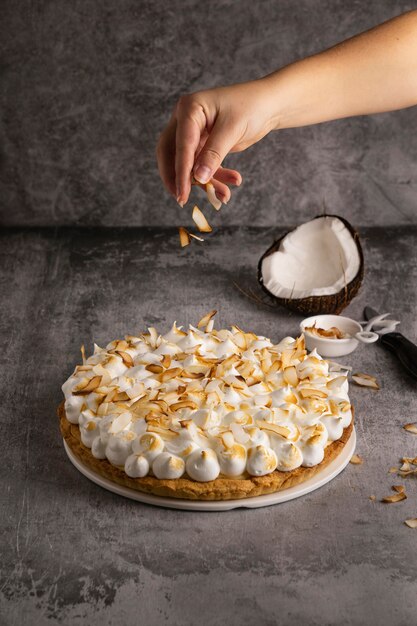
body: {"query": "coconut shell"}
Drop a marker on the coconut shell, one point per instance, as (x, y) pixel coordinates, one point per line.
(315, 305)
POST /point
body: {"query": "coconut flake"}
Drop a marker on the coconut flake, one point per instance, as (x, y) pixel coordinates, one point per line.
(396, 497)
(200, 221)
(206, 319)
(84, 388)
(365, 380)
(411, 523)
(356, 460)
(331, 333)
(211, 196)
(411, 428)
(196, 237)
(184, 236)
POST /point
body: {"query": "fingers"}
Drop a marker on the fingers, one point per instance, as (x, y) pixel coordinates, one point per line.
(220, 141)
(227, 176)
(186, 146)
(191, 122)
(222, 191)
(165, 154)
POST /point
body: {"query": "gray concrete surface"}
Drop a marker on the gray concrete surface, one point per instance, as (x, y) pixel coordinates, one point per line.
(74, 554)
(87, 85)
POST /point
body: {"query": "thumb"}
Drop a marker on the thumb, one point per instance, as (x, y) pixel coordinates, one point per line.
(219, 143)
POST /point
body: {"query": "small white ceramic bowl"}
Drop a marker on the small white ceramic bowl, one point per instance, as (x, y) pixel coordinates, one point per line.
(335, 347)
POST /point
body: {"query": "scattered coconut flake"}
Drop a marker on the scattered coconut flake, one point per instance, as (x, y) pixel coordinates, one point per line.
(356, 460)
(365, 380)
(372, 498)
(393, 470)
(411, 523)
(404, 473)
(200, 221)
(399, 488)
(211, 196)
(396, 497)
(184, 236)
(411, 428)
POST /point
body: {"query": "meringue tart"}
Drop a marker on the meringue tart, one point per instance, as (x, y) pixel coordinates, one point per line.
(205, 414)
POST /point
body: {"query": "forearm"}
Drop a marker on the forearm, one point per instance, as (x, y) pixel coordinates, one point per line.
(373, 72)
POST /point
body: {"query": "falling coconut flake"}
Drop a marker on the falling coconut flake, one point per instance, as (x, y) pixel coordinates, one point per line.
(200, 220)
(315, 268)
(199, 217)
(184, 237)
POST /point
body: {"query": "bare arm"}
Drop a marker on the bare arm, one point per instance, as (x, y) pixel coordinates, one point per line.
(373, 72)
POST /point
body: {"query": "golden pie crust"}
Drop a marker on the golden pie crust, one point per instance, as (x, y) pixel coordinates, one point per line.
(220, 489)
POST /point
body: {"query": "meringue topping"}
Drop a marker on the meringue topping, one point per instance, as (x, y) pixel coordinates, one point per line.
(204, 403)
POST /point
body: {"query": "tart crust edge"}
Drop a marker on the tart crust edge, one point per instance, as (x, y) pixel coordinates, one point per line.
(222, 488)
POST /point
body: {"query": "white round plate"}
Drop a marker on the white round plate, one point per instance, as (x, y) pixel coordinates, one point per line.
(327, 474)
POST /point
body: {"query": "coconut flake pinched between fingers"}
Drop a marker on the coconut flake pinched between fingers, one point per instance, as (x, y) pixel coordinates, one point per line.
(212, 198)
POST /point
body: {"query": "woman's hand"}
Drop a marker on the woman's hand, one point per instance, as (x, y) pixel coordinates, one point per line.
(373, 72)
(204, 128)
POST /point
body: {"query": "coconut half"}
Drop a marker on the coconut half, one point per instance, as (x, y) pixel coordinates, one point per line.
(315, 268)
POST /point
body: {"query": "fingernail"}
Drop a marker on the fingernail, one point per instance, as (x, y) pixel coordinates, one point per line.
(202, 173)
(180, 202)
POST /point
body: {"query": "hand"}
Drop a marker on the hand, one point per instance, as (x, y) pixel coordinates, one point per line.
(204, 128)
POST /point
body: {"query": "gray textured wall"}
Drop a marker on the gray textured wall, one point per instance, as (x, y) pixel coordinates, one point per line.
(86, 86)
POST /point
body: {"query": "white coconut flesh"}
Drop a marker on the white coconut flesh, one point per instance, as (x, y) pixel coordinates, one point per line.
(318, 258)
